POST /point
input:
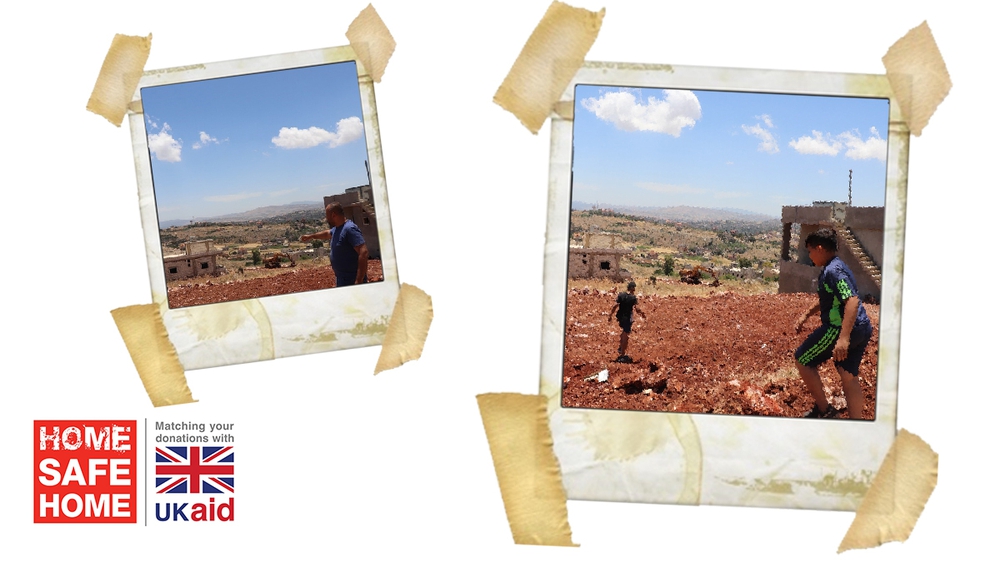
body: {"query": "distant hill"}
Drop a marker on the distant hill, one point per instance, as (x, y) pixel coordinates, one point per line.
(681, 213)
(299, 208)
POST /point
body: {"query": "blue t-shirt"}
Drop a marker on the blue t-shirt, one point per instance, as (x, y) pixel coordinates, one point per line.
(343, 256)
(836, 285)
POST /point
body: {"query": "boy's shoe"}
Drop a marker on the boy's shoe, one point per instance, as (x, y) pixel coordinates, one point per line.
(623, 359)
(830, 412)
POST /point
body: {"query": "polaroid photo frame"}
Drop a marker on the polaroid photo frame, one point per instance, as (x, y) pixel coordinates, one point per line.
(272, 117)
(705, 458)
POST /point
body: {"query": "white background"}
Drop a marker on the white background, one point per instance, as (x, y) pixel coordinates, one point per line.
(336, 463)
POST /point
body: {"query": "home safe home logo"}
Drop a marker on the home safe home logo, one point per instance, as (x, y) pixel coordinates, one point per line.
(85, 471)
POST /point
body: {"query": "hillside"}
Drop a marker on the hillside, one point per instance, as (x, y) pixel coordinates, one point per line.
(723, 243)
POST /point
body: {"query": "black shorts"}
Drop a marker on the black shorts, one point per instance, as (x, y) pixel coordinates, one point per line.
(626, 324)
(819, 345)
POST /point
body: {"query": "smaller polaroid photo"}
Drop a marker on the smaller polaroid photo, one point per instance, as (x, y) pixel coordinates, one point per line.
(264, 206)
(723, 284)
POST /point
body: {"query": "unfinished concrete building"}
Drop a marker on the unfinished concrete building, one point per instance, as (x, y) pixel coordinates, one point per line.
(600, 256)
(859, 241)
(358, 207)
(199, 258)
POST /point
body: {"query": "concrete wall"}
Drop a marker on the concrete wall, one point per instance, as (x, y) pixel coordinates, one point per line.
(797, 278)
(865, 217)
(601, 240)
(806, 215)
(867, 224)
(199, 247)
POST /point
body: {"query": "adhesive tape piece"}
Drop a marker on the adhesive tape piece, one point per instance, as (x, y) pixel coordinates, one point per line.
(517, 428)
(141, 327)
(371, 41)
(918, 76)
(119, 77)
(547, 63)
(408, 327)
(897, 495)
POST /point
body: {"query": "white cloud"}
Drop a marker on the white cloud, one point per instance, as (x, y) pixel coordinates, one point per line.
(669, 188)
(232, 197)
(164, 146)
(203, 139)
(349, 129)
(818, 143)
(857, 148)
(766, 119)
(767, 142)
(872, 147)
(677, 109)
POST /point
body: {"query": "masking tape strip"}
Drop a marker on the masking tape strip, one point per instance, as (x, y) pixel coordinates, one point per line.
(371, 41)
(548, 62)
(918, 76)
(517, 428)
(897, 495)
(141, 327)
(408, 327)
(119, 77)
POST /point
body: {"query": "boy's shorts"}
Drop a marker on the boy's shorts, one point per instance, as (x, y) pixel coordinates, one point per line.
(818, 347)
(626, 324)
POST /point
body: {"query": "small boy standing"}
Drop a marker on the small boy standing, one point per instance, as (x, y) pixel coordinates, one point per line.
(624, 306)
(845, 329)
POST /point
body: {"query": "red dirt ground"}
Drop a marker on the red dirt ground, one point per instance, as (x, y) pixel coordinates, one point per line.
(295, 280)
(720, 354)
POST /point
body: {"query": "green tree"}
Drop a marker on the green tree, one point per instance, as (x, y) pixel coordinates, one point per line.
(317, 243)
(255, 256)
(745, 262)
(668, 265)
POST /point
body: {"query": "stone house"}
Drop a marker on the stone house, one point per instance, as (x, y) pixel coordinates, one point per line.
(199, 258)
(600, 256)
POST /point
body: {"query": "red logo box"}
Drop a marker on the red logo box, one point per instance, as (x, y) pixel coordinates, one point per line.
(85, 471)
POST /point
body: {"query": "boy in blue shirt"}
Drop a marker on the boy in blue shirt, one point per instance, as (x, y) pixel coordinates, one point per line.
(845, 329)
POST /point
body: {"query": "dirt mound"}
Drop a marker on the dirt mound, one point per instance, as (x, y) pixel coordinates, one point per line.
(296, 280)
(721, 354)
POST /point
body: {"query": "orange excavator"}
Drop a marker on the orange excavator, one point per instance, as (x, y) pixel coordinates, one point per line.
(274, 262)
(693, 276)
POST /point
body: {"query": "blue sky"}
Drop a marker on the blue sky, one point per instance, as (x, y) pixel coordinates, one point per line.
(756, 152)
(232, 144)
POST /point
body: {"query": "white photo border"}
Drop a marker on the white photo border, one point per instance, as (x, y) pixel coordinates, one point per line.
(659, 457)
(284, 325)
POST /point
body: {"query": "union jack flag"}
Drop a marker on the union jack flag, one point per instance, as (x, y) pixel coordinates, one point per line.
(194, 470)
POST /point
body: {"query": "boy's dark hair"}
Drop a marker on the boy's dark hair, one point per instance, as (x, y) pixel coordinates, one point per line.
(824, 237)
(631, 285)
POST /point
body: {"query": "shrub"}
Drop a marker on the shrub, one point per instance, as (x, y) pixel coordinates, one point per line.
(668, 265)
(745, 262)
(256, 256)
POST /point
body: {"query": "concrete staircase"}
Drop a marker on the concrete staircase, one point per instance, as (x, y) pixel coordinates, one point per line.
(860, 254)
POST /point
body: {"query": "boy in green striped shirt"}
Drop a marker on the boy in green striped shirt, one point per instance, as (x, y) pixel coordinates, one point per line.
(845, 329)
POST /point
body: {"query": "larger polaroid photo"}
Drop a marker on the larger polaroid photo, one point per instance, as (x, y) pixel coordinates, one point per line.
(723, 282)
(264, 207)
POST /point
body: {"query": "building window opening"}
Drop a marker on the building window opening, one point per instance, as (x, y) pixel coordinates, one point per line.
(204, 265)
(606, 265)
(366, 221)
(173, 270)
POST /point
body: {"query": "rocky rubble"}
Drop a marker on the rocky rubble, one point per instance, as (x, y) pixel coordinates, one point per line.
(296, 280)
(720, 354)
